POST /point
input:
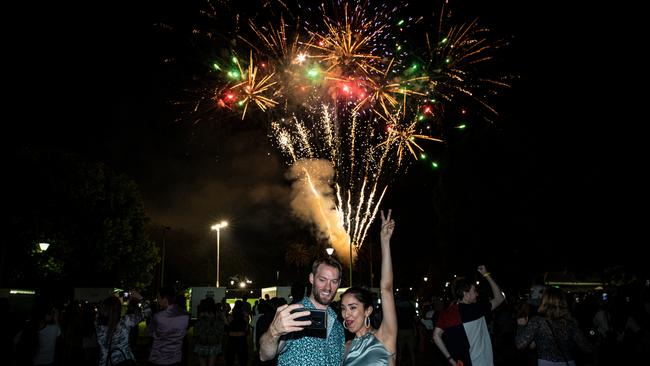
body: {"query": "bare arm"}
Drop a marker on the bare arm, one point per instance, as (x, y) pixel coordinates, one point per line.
(283, 323)
(497, 295)
(269, 345)
(388, 330)
(437, 339)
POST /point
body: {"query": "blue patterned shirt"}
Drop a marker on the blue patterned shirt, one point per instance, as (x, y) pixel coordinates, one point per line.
(301, 349)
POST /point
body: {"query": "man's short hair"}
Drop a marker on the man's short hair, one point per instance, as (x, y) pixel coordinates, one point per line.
(327, 261)
(460, 286)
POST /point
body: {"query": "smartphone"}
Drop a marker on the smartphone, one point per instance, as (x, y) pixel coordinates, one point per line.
(318, 318)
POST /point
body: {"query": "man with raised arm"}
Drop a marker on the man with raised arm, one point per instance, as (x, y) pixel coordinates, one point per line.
(463, 324)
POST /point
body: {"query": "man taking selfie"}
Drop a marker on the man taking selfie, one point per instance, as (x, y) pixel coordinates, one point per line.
(288, 338)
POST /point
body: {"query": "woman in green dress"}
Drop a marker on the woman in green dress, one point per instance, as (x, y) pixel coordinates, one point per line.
(371, 346)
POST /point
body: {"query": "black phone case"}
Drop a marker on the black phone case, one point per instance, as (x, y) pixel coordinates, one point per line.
(318, 318)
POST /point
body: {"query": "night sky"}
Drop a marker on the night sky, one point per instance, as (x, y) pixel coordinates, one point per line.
(552, 185)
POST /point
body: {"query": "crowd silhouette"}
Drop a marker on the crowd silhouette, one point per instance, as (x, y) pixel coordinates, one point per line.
(591, 328)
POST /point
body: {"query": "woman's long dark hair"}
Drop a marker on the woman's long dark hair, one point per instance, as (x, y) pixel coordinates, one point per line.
(360, 293)
(110, 314)
(366, 298)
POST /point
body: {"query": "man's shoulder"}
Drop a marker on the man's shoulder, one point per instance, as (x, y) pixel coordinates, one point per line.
(470, 312)
(449, 317)
(306, 302)
(184, 318)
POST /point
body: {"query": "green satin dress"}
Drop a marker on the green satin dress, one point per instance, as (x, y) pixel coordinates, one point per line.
(367, 351)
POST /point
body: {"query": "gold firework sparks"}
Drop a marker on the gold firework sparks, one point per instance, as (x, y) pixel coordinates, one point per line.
(253, 88)
(275, 41)
(355, 205)
(346, 48)
(405, 138)
(458, 50)
(402, 137)
(383, 93)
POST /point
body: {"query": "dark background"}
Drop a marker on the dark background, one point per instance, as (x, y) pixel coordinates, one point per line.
(555, 184)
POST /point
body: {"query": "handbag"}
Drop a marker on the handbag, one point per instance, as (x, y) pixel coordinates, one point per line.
(109, 359)
(125, 361)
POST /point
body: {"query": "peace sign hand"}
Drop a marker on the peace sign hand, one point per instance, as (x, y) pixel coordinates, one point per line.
(387, 226)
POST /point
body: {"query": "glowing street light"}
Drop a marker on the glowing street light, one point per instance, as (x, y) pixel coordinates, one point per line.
(43, 246)
(330, 251)
(218, 228)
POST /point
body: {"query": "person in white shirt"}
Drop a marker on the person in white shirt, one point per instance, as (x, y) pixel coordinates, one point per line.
(44, 327)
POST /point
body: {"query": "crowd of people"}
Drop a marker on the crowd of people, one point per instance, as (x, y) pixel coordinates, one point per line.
(469, 327)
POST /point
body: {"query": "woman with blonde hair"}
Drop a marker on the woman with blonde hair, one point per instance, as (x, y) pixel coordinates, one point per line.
(554, 331)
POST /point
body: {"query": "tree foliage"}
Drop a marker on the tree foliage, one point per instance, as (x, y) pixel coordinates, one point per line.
(93, 218)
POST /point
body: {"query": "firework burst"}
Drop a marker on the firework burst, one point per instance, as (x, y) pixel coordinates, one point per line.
(354, 85)
(403, 137)
(254, 89)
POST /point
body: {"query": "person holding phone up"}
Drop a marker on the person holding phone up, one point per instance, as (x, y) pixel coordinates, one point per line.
(287, 336)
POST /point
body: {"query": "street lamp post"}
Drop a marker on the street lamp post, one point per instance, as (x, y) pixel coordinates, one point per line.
(162, 262)
(42, 247)
(372, 275)
(218, 228)
(350, 263)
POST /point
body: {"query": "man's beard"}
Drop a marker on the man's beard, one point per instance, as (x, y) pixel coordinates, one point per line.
(319, 299)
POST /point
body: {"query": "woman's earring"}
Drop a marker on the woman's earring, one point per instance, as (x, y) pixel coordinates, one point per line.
(367, 322)
(345, 326)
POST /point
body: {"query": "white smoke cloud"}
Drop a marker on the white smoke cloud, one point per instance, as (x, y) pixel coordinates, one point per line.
(312, 200)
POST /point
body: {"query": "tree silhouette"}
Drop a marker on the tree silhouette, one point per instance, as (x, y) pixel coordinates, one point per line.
(92, 217)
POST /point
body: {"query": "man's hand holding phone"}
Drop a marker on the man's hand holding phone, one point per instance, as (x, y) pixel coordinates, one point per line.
(285, 320)
(316, 317)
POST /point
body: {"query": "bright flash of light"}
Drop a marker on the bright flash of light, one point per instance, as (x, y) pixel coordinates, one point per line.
(359, 182)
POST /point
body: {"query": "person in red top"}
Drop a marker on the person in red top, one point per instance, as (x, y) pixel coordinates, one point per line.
(461, 331)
